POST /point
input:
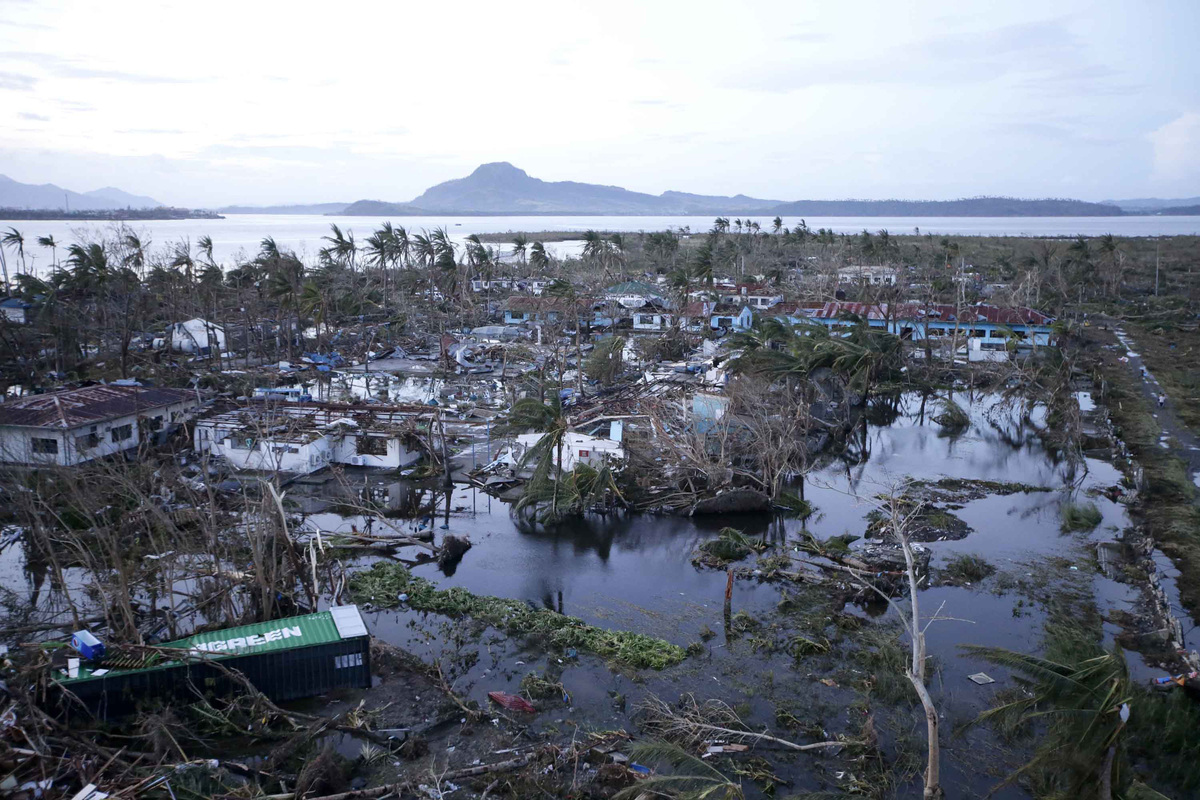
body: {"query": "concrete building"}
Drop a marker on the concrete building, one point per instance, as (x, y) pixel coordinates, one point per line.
(578, 448)
(869, 275)
(304, 438)
(78, 425)
(757, 296)
(917, 321)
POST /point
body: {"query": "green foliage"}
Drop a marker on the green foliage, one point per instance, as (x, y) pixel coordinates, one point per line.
(606, 361)
(693, 778)
(1076, 690)
(730, 545)
(952, 418)
(966, 568)
(1080, 516)
(385, 581)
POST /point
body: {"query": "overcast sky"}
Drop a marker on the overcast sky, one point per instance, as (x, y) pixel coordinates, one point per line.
(206, 103)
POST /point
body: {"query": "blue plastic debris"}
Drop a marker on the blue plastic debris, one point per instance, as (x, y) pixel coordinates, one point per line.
(88, 645)
(639, 768)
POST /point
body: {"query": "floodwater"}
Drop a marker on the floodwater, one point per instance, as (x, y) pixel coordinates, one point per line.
(238, 236)
(634, 572)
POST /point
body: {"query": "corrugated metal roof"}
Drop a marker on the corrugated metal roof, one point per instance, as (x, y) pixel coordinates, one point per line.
(260, 637)
(91, 404)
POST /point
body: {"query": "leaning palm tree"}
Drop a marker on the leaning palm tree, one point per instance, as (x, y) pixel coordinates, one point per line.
(539, 259)
(16, 241)
(1083, 696)
(530, 414)
(520, 242)
(49, 242)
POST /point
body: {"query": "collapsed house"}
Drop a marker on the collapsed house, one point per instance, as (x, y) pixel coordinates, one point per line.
(78, 425)
(306, 437)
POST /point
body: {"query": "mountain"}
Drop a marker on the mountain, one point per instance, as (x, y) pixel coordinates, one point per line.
(378, 208)
(1175, 211)
(122, 199)
(968, 207)
(301, 208)
(1153, 204)
(501, 188)
(14, 194)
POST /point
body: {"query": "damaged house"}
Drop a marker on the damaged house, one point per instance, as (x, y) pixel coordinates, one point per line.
(78, 425)
(305, 438)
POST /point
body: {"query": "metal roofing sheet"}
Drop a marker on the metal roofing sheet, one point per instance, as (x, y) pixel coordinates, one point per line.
(90, 404)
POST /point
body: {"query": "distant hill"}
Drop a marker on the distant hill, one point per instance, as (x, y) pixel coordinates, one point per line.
(1153, 204)
(968, 207)
(309, 208)
(378, 208)
(501, 188)
(14, 194)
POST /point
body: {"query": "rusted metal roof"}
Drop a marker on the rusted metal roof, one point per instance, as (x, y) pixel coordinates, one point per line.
(72, 408)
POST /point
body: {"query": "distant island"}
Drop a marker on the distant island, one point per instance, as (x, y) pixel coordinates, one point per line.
(500, 189)
(109, 215)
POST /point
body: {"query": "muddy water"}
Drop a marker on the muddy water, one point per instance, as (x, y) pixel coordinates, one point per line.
(634, 572)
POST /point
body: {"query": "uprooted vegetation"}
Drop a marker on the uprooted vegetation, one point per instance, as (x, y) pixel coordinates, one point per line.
(385, 582)
(729, 546)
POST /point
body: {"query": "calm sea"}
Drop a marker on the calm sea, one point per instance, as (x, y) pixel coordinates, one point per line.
(238, 235)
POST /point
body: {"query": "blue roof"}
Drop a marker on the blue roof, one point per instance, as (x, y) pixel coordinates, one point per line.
(12, 302)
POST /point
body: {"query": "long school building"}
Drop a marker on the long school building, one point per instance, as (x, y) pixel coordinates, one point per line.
(285, 659)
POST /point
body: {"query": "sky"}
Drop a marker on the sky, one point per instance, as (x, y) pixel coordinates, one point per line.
(205, 104)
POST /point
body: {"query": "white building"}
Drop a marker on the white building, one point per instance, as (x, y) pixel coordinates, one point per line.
(980, 349)
(754, 295)
(303, 438)
(871, 276)
(578, 447)
(652, 320)
(78, 425)
(197, 336)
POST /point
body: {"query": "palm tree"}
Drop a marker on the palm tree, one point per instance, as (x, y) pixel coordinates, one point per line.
(538, 258)
(520, 242)
(205, 247)
(1083, 694)
(48, 241)
(136, 251)
(342, 249)
(16, 241)
(530, 414)
(777, 225)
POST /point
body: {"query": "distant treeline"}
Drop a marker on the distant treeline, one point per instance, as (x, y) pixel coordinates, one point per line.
(967, 207)
(105, 215)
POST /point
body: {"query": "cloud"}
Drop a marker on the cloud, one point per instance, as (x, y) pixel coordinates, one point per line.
(1177, 149)
(1054, 59)
(164, 131)
(16, 82)
(74, 68)
(33, 117)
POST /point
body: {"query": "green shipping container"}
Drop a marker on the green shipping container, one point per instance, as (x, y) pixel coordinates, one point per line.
(285, 659)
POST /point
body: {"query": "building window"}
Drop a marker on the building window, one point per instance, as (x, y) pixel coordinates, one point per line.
(153, 423)
(88, 441)
(585, 453)
(45, 446)
(371, 446)
(122, 432)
